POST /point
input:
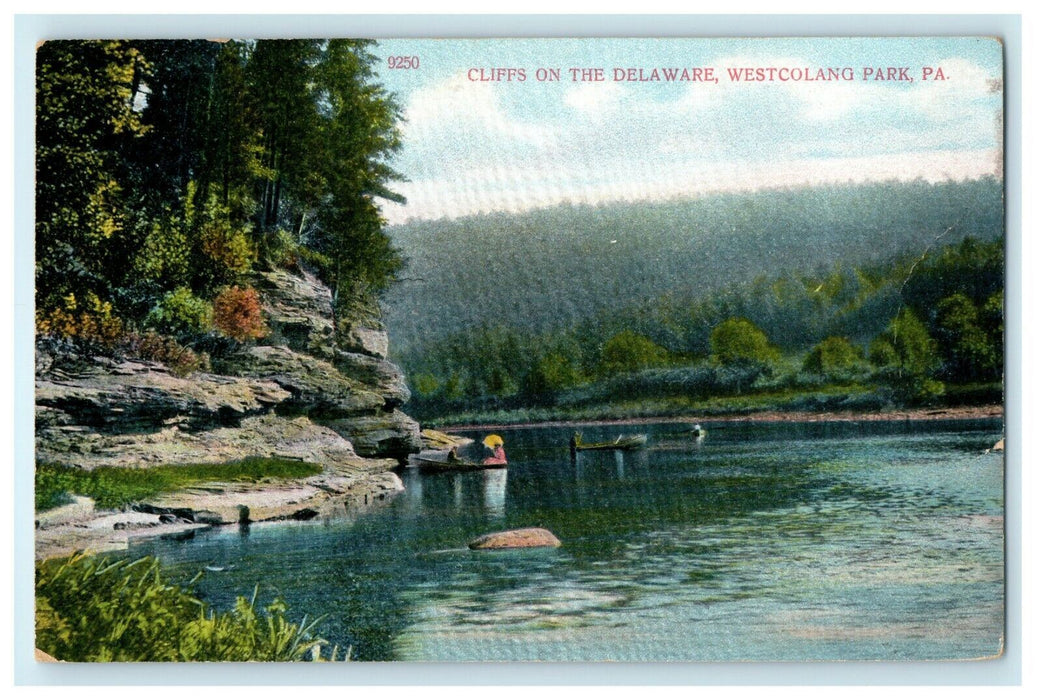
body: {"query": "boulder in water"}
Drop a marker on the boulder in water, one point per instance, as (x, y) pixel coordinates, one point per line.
(510, 539)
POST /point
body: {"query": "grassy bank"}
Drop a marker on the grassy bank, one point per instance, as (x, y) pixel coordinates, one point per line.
(115, 487)
(94, 609)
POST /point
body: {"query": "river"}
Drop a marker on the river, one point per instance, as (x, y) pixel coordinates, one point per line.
(771, 541)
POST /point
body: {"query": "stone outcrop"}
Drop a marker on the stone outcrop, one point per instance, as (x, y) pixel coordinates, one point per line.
(96, 411)
(513, 539)
(314, 386)
(437, 440)
(387, 433)
(127, 396)
(299, 311)
(385, 378)
(305, 392)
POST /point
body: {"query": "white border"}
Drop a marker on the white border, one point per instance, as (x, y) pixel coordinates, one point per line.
(29, 29)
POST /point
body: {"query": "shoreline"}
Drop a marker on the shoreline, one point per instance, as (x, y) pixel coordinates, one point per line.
(912, 414)
(100, 531)
(80, 527)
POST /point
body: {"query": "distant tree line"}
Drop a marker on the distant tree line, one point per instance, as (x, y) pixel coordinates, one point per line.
(565, 265)
(911, 328)
(168, 170)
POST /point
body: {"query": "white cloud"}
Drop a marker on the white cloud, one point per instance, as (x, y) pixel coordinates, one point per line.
(526, 187)
(467, 152)
(467, 104)
(594, 99)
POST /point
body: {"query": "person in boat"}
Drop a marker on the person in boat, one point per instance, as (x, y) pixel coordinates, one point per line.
(452, 456)
(574, 443)
(494, 443)
(498, 456)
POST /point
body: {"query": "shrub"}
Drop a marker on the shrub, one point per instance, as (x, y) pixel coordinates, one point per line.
(91, 322)
(180, 312)
(906, 356)
(164, 254)
(160, 348)
(222, 251)
(101, 610)
(737, 341)
(280, 249)
(237, 314)
(226, 249)
(549, 373)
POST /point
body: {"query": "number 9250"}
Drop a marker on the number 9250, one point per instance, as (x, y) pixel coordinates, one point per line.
(403, 62)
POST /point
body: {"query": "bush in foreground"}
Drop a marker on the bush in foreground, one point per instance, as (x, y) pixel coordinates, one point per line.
(91, 609)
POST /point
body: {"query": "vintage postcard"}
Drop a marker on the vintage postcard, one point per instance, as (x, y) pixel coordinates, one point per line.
(578, 349)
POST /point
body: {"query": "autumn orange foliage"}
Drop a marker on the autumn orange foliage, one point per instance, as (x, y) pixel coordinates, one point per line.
(237, 314)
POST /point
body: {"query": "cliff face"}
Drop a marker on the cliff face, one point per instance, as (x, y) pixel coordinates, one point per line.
(308, 391)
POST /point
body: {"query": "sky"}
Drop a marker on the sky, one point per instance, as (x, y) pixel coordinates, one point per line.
(474, 146)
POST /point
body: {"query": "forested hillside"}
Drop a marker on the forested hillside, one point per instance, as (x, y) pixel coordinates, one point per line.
(168, 170)
(888, 289)
(555, 267)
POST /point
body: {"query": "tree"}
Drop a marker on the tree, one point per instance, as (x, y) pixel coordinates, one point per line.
(165, 165)
(358, 134)
(628, 351)
(906, 356)
(550, 373)
(86, 120)
(967, 350)
(737, 341)
(835, 358)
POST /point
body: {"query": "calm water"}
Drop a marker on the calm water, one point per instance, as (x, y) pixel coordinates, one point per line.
(784, 541)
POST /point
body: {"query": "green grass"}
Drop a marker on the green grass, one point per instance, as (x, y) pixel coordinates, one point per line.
(95, 609)
(115, 487)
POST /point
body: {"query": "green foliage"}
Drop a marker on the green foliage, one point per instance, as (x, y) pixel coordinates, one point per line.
(833, 311)
(969, 353)
(90, 610)
(737, 342)
(116, 487)
(169, 165)
(973, 268)
(906, 356)
(835, 358)
(425, 384)
(180, 313)
(628, 351)
(85, 126)
(222, 250)
(550, 373)
(164, 256)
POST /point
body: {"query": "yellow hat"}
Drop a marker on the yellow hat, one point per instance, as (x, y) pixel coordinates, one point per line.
(492, 441)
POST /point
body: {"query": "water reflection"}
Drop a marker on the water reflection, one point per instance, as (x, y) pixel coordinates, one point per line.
(495, 492)
(459, 493)
(413, 498)
(458, 490)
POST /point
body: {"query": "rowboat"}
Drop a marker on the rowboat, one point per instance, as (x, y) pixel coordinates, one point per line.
(427, 464)
(623, 442)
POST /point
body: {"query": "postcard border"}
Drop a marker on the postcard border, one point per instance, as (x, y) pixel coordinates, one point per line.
(29, 29)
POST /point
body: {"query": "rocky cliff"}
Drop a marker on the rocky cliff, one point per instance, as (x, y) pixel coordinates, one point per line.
(312, 390)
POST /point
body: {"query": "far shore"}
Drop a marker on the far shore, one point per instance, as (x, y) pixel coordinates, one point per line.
(912, 414)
